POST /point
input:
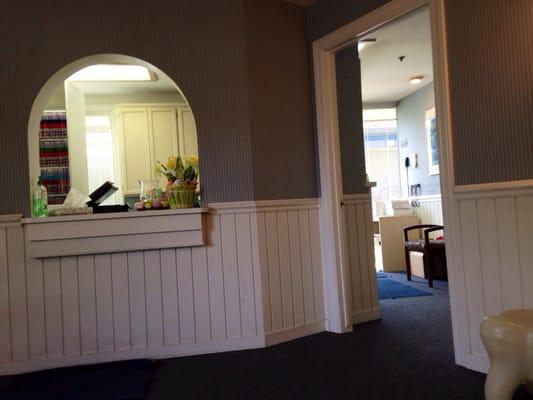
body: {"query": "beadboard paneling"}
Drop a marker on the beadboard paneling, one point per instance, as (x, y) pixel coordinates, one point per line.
(165, 302)
(495, 261)
(362, 269)
(294, 292)
(429, 211)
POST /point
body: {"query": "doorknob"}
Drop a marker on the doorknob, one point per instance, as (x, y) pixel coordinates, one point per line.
(342, 203)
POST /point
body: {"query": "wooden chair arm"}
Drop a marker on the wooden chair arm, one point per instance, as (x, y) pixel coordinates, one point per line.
(422, 226)
(429, 230)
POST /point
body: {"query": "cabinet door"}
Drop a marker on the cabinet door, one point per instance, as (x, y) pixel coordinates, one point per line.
(392, 241)
(164, 133)
(188, 141)
(135, 148)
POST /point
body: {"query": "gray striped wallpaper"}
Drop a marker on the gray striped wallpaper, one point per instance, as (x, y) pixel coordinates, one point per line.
(327, 15)
(201, 44)
(348, 72)
(491, 73)
(324, 17)
(490, 45)
(281, 121)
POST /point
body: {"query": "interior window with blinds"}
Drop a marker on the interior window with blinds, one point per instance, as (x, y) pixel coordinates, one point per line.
(382, 154)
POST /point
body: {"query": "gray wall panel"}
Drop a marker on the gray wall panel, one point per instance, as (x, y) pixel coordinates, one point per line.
(327, 15)
(490, 46)
(411, 115)
(200, 44)
(280, 101)
(350, 121)
(490, 52)
(324, 17)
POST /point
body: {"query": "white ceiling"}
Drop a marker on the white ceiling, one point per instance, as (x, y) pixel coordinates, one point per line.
(384, 78)
(163, 87)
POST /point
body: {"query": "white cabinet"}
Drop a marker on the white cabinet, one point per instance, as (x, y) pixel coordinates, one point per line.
(134, 148)
(164, 132)
(151, 133)
(188, 142)
(392, 240)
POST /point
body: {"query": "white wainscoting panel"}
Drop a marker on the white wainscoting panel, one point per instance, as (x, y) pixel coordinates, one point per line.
(362, 270)
(257, 281)
(429, 210)
(284, 248)
(494, 262)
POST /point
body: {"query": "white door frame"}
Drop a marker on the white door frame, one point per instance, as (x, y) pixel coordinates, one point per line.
(334, 247)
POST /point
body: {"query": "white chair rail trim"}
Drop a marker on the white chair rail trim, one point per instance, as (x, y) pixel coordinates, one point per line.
(10, 221)
(264, 205)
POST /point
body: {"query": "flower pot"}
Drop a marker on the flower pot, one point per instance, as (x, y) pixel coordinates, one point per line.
(182, 198)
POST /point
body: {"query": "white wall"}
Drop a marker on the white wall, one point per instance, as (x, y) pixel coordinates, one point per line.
(257, 282)
(411, 128)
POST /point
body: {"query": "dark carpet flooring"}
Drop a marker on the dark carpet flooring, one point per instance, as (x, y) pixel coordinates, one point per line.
(406, 355)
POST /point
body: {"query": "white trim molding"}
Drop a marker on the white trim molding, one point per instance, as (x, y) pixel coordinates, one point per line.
(356, 198)
(335, 248)
(10, 221)
(365, 316)
(524, 186)
(263, 205)
(295, 333)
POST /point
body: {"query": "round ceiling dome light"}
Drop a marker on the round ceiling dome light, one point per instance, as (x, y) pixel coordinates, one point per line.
(416, 80)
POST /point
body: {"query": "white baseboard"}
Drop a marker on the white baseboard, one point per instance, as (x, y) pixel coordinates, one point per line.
(182, 350)
(295, 333)
(365, 316)
(17, 367)
(476, 362)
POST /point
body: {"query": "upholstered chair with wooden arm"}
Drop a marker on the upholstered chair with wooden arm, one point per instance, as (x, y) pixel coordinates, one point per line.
(433, 250)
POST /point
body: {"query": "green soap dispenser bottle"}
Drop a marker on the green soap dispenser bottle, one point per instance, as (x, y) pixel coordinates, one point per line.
(36, 201)
(44, 197)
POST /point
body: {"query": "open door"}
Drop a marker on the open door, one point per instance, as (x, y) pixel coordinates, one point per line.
(355, 216)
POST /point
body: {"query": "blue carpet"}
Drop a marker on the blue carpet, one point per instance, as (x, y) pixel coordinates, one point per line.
(382, 275)
(390, 289)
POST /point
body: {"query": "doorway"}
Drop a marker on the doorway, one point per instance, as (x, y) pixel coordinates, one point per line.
(401, 156)
(333, 219)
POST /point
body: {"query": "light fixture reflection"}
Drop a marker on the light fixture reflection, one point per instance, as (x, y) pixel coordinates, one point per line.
(112, 72)
(416, 80)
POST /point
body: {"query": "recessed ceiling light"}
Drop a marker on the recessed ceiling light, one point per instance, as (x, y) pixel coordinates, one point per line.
(416, 80)
(113, 72)
(363, 43)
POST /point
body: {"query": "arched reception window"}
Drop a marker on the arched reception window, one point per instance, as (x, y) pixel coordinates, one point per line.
(111, 118)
